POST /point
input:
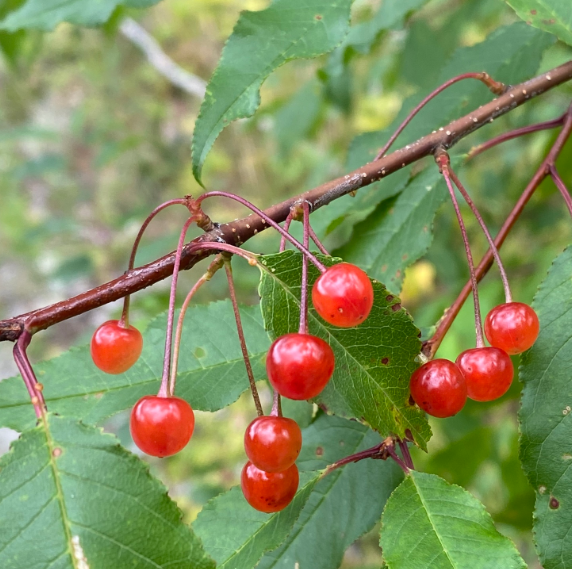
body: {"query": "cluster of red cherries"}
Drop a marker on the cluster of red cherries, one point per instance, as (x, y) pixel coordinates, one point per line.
(441, 387)
(298, 365)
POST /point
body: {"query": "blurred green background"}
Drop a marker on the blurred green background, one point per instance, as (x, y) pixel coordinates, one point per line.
(92, 137)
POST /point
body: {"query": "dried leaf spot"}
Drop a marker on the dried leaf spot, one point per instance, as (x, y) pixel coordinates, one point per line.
(554, 504)
(411, 401)
(385, 361)
(319, 451)
(78, 553)
(318, 17)
(533, 12)
(541, 489)
(57, 452)
(396, 307)
(567, 456)
(389, 297)
(549, 22)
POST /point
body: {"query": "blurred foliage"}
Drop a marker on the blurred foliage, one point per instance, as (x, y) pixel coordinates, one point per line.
(92, 138)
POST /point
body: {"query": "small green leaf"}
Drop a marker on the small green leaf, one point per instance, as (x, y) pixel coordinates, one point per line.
(430, 523)
(69, 493)
(374, 361)
(261, 42)
(553, 16)
(211, 370)
(546, 418)
(236, 535)
(400, 230)
(47, 14)
(344, 505)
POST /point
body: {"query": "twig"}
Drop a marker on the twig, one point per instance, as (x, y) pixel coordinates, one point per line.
(561, 187)
(240, 231)
(161, 61)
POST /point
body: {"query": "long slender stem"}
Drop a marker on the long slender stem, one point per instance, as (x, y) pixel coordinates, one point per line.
(443, 161)
(287, 223)
(241, 337)
(268, 220)
(27, 373)
(475, 151)
(182, 201)
(471, 204)
(164, 389)
(561, 187)
(401, 463)
(494, 86)
(317, 241)
(406, 454)
(303, 329)
(213, 268)
(276, 405)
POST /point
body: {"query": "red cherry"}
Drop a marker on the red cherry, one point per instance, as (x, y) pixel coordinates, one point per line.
(343, 295)
(161, 426)
(299, 365)
(488, 372)
(439, 388)
(268, 491)
(114, 348)
(273, 443)
(512, 327)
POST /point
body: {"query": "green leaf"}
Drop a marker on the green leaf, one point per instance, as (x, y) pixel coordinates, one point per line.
(400, 230)
(374, 361)
(47, 14)
(553, 16)
(236, 535)
(430, 523)
(69, 493)
(545, 417)
(344, 505)
(211, 370)
(261, 42)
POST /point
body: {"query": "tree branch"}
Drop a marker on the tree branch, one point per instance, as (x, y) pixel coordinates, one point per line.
(238, 232)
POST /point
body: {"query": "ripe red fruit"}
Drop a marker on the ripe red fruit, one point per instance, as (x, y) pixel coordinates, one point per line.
(512, 327)
(343, 295)
(114, 348)
(488, 372)
(439, 388)
(299, 365)
(273, 443)
(162, 426)
(268, 491)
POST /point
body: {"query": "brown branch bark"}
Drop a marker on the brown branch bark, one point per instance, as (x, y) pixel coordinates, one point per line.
(238, 232)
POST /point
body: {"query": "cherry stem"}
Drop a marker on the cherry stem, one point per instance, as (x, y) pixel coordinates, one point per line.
(215, 265)
(493, 247)
(515, 134)
(164, 389)
(303, 329)
(124, 321)
(561, 187)
(317, 241)
(268, 220)
(241, 337)
(27, 372)
(442, 159)
(496, 87)
(276, 405)
(287, 222)
(406, 455)
(400, 462)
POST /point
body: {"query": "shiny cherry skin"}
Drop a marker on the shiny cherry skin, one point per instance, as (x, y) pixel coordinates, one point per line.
(488, 372)
(343, 295)
(162, 426)
(269, 491)
(439, 388)
(273, 443)
(299, 365)
(114, 348)
(512, 327)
